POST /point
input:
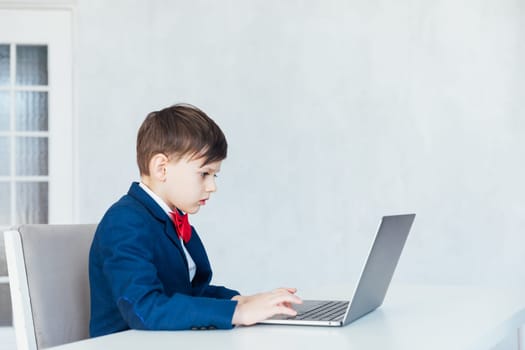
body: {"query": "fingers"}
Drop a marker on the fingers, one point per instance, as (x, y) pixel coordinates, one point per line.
(287, 304)
(285, 307)
(283, 310)
(283, 300)
(261, 306)
(290, 298)
(289, 290)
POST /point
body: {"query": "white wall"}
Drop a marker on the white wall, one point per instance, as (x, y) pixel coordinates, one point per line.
(336, 112)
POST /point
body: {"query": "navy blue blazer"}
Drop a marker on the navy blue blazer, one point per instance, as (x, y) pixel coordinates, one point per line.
(139, 278)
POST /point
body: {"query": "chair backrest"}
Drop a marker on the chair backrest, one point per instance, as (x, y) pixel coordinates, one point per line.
(48, 276)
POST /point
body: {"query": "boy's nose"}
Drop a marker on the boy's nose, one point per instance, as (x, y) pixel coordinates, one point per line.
(211, 186)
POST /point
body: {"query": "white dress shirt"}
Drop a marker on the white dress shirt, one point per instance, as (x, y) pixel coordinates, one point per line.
(191, 264)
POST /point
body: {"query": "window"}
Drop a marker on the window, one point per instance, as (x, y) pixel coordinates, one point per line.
(24, 136)
(36, 122)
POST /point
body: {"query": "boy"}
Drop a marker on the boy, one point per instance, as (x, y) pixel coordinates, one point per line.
(149, 272)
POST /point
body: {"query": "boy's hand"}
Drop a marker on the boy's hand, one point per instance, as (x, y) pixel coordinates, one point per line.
(254, 308)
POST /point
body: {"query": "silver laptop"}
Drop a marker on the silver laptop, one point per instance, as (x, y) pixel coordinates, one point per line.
(373, 284)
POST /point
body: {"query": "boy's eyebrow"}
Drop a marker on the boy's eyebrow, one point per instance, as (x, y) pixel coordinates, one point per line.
(210, 169)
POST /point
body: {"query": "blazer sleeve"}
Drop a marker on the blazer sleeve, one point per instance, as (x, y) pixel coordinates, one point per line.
(127, 253)
(219, 292)
(201, 282)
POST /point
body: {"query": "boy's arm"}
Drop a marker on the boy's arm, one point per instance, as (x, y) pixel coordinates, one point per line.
(127, 254)
(219, 292)
(201, 282)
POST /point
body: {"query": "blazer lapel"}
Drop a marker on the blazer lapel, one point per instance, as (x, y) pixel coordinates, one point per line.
(149, 203)
(199, 256)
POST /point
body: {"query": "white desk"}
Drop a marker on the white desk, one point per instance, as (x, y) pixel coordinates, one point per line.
(412, 317)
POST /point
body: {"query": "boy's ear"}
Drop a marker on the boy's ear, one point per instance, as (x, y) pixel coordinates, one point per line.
(157, 166)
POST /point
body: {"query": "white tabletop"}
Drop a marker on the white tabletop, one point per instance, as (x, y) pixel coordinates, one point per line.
(412, 317)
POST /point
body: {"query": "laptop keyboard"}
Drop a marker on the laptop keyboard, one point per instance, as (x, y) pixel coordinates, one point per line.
(327, 311)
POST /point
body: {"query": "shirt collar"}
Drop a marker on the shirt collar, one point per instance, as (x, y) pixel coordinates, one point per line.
(156, 198)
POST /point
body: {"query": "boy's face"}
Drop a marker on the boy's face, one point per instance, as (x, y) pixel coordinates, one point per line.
(187, 184)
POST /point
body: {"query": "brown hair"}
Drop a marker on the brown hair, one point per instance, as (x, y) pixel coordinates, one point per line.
(178, 131)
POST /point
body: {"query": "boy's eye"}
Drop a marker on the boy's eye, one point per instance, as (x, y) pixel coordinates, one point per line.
(207, 174)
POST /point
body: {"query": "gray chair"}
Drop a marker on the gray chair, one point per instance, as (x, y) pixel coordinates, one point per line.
(48, 276)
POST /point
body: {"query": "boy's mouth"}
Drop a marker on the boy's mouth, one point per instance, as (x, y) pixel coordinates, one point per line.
(203, 201)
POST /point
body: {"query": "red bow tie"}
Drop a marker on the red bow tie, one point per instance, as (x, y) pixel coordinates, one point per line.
(182, 225)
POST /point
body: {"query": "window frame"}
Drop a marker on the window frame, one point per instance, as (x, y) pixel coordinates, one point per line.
(62, 108)
(62, 176)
